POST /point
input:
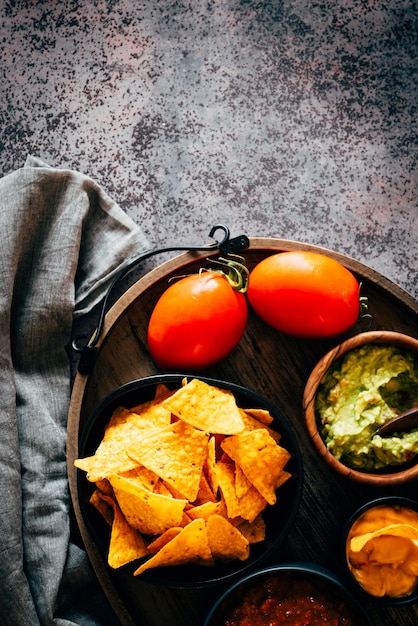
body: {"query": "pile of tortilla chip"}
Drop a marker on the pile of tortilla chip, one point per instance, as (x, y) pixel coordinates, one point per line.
(382, 551)
(184, 478)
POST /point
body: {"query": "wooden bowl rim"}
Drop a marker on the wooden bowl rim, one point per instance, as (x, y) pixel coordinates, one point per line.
(314, 380)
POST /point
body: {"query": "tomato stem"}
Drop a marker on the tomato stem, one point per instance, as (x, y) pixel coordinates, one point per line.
(237, 273)
(364, 308)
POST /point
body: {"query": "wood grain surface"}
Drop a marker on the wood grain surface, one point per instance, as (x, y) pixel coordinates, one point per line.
(276, 366)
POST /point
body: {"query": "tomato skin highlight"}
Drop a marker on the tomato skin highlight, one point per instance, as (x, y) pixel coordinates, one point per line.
(305, 294)
(196, 322)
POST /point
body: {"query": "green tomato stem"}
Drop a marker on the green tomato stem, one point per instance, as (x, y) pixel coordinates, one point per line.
(237, 273)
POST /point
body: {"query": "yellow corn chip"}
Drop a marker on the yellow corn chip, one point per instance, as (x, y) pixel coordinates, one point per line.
(225, 541)
(164, 490)
(204, 511)
(254, 531)
(120, 417)
(158, 543)
(252, 423)
(249, 506)
(259, 457)
(189, 546)
(210, 465)
(104, 486)
(261, 415)
(109, 458)
(126, 545)
(176, 454)
(142, 476)
(205, 493)
(206, 407)
(148, 512)
(242, 484)
(98, 500)
(148, 415)
(283, 477)
(162, 392)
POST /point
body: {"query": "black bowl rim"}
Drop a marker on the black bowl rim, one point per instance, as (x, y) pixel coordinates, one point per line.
(351, 582)
(111, 400)
(303, 567)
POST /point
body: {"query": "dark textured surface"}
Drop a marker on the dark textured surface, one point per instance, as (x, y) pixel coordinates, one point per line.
(295, 119)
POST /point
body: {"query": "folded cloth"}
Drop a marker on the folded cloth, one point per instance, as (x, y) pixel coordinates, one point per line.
(62, 241)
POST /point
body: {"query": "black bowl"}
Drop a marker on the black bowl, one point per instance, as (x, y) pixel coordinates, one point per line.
(391, 501)
(278, 518)
(290, 575)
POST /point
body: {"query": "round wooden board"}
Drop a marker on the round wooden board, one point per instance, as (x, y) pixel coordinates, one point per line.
(271, 363)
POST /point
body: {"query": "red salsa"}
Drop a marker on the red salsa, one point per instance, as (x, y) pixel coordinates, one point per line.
(289, 600)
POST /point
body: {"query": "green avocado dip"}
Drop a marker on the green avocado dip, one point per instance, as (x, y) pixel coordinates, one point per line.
(363, 390)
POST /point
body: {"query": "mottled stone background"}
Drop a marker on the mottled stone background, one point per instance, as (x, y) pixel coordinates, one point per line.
(279, 118)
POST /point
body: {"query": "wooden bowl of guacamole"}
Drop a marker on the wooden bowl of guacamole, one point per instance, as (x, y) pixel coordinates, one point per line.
(354, 389)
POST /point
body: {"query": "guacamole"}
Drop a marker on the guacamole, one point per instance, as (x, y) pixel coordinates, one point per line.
(363, 390)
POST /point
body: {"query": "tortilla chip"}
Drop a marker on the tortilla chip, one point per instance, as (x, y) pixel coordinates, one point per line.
(126, 545)
(150, 415)
(147, 415)
(124, 427)
(254, 531)
(109, 458)
(225, 541)
(252, 423)
(189, 546)
(209, 467)
(204, 511)
(158, 543)
(176, 454)
(119, 418)
(104, 486)
(205, 493)
(242, 484)
(100, 503)
(261, 415)
(142, 476)
(148, 512)
(260, 458)
(284, 476)
(207, 408)
(164, 490)
(162, 392)
(249, 506)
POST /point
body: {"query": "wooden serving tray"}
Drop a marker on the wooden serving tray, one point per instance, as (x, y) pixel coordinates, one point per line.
(276, 366)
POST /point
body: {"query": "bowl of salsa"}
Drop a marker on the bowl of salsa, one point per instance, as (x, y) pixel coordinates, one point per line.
(357, 387)
(291, 594)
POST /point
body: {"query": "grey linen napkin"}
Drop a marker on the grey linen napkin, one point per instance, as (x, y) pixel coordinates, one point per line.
(62, 240)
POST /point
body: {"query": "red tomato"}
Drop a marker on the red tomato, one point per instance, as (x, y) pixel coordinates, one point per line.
(305, 294)
(196, 322)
